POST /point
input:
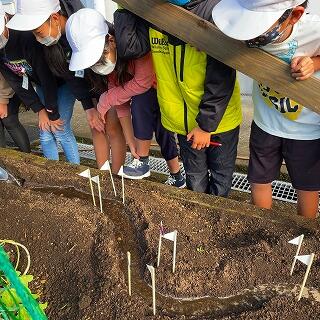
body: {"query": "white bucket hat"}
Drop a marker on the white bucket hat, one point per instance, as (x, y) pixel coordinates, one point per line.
(86, 31)
(31, 14)
(248, 19)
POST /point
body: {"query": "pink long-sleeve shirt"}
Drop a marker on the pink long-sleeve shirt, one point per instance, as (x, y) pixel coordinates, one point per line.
(118, 96)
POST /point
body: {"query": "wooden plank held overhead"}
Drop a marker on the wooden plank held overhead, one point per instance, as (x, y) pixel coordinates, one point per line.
(205, 36)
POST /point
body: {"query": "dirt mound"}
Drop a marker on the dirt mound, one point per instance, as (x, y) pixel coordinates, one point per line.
(233, 260)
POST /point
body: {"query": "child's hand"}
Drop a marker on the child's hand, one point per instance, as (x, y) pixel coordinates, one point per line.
(56, 125)
(103, 107)
(102, 111)
(94, 120)
(302, 68)
(133, 151)
(3, 110)
(200, 138)
(44, 122)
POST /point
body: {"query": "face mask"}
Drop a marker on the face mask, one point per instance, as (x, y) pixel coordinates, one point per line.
(49, 40)
(104, 68)
(271, 36)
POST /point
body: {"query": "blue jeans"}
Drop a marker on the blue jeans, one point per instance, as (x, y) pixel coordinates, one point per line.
(65, 137)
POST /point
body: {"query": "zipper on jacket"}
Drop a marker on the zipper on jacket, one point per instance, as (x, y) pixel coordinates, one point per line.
(183, 51)
(185, 107)
(175, 60)
(186, 117)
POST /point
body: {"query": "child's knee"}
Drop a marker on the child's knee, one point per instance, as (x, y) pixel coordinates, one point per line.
(46, 136)
(113, 129)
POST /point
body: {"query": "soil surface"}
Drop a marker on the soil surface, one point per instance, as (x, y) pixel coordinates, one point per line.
(233, 260)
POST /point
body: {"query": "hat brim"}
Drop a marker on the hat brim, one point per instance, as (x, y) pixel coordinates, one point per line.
(26, 22)
(84, 59)
(240, 23)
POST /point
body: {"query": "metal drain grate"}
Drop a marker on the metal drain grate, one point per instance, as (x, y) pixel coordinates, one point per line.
(282, 191)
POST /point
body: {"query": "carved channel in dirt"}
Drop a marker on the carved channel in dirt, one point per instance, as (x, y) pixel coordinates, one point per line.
(233, 260)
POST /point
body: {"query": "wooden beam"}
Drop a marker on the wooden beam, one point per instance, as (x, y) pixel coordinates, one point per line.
(202, 34)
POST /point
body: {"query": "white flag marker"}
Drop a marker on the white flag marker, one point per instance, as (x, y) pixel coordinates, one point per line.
(96, 179)
(298, 242)
(129, 272)
(153, 279)
(106, 167)
(172, 236)
(160, 243)
(307, 260)
(87, 174)
(120, 173)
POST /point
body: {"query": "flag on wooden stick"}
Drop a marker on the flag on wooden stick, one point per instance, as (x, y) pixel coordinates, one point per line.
(298, 242)
(307, 260)
(172, 236)
(153, 279)
(120, 173)
(96, 179)
(106, 167)
(87, 174)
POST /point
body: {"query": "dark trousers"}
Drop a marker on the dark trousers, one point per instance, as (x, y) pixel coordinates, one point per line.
(14, 127)
(210, 170)
(146, 120)
(16, 131)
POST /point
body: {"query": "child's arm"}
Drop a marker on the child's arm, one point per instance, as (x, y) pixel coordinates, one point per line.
(303, 68)
(218, 89)
(143, 80)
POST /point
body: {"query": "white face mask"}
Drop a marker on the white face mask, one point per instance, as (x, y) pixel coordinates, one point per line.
(49, 40)
(105, 67)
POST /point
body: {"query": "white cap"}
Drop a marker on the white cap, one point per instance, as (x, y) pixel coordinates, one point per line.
(9, 6)
(31, 14)
(248, 19)
(2, 18)
(86, 31)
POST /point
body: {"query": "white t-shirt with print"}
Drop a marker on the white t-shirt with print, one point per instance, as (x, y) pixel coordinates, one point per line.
(276, 114)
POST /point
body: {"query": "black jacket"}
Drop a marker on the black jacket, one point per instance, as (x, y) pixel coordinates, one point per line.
(132, 35)
(133, 41)
(80, 87)
(24, 55)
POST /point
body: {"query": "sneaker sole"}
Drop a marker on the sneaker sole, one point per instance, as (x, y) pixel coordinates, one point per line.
(146, 175)
(183, 186)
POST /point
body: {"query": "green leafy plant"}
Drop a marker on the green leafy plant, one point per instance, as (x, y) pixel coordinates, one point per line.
(16, 299)
(201, 249)
(10, 303)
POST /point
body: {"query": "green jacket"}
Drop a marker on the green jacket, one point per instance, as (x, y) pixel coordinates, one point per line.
(193, 88)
